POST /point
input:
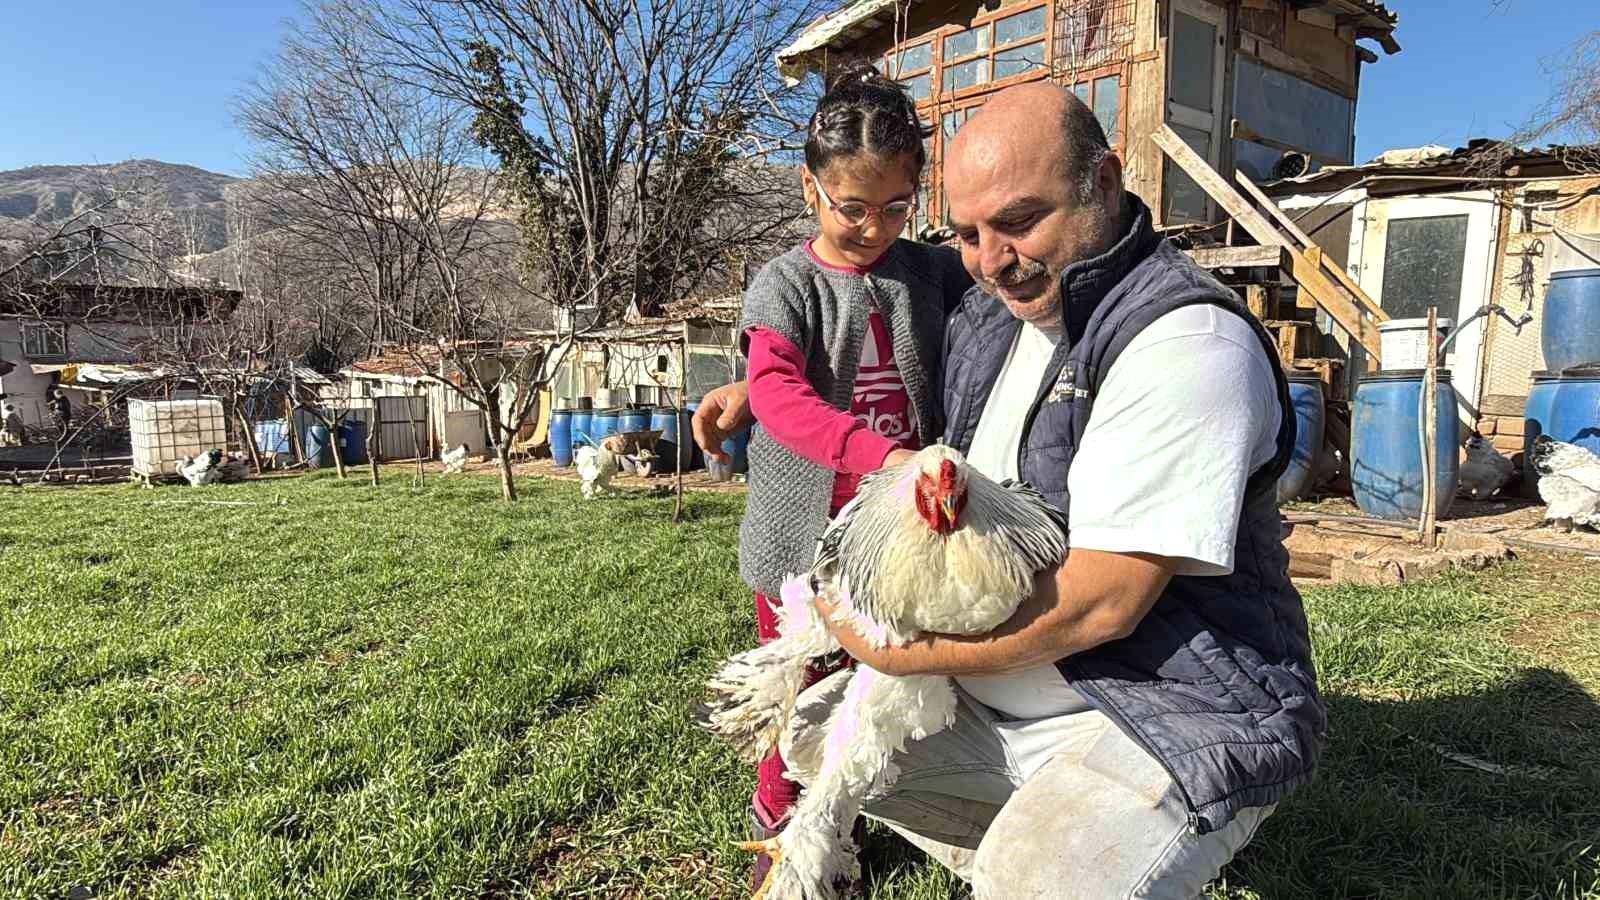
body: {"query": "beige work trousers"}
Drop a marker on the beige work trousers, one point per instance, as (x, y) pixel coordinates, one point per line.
(1094, 817)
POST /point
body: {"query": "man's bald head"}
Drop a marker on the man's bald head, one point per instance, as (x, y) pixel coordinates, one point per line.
(1031, 187)
(1047, 118)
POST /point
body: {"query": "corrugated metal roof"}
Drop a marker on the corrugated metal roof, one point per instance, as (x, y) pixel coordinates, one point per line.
(1480, 159)
(837, 30)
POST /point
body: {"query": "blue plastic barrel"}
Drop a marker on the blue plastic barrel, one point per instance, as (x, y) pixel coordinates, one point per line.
(561, 436)
(272, 436)
(1305, 395)
(319, 450)
(1386, 444)
(1536, 421)
(353, 441)
(1570, 332)
(687, 448)
(738, 447)
(603, 424)
(634, 420)
(1575, 411)
(665, 420)
(582, 423)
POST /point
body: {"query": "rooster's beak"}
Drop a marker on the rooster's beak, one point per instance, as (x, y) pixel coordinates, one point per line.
(947, 505)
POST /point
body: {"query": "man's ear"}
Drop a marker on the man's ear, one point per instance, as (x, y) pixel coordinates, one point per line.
(1109, 180)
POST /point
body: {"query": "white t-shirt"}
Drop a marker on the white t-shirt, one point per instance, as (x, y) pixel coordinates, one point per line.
(1186, 413)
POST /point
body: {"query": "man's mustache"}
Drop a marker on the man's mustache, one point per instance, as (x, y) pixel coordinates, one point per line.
(1019, 272)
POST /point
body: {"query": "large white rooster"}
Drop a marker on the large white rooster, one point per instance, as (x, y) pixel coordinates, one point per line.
(930, 545)
(1569, 483)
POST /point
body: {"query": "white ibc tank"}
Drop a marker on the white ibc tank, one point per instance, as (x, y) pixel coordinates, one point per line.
(165, 431)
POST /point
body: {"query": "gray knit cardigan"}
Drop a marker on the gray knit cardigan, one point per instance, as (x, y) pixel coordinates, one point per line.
(825, 313)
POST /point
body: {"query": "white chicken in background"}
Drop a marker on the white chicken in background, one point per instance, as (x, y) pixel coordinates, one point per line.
(454, 459)
(928, 545)
(203, 469)
(1485, 471)
(596, 466)
(1569, 483)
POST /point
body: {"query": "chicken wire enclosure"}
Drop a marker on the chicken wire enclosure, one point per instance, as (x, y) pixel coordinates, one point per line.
(163, 432)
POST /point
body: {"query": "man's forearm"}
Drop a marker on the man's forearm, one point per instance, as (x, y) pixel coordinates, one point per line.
(1092, 599)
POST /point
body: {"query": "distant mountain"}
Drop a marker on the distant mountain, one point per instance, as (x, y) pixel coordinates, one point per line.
(47, 194)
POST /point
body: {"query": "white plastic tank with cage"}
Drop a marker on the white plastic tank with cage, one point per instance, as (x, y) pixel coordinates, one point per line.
(165, 431)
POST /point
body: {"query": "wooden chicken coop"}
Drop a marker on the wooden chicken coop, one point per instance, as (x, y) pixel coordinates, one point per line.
(1268, 87)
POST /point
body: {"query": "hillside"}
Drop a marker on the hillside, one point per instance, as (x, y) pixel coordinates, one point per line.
(46, 194)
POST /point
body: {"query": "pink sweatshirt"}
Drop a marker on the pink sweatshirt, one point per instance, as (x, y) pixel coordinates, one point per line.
(851, 443)
(797, 417)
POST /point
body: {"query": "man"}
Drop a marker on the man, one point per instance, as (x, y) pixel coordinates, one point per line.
(61, 408)
(12, 432)
(1129, 730)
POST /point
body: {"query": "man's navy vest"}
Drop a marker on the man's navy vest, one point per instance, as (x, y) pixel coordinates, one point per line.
(1216, 682)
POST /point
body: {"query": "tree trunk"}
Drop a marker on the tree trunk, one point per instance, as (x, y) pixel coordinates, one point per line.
(508, 487)
(333, 444)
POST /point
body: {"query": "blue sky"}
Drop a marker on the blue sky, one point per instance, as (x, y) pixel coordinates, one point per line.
(107, 80)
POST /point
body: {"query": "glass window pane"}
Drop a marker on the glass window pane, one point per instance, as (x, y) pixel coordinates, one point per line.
(1017, 60)
(966, 74)
(1293, 111)
(1194, 49)
(966, 43)
(1082, 92)
(950, 123)
(1108, 104)
(1185, 200)
(1019, 27)
(920, 87)
(1422, 262)
(913, 58)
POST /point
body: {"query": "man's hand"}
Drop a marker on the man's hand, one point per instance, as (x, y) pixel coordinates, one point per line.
(1095, 597)
(723, 413)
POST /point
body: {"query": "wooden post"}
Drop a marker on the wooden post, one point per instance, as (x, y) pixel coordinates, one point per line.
(373, 425)
(296, 446)
(1429, 531)
(683, 400)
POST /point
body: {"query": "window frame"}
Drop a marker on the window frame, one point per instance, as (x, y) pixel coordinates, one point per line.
(988, 21)
(931, 69)
(940, 102)
(29, 331)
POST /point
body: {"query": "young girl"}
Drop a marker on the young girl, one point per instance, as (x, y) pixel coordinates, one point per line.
(843, 335)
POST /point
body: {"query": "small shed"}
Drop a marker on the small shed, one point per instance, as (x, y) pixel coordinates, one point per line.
(1458, 229)
(642, 359)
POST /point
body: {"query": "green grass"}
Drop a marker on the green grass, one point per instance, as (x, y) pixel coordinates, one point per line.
(349, 692)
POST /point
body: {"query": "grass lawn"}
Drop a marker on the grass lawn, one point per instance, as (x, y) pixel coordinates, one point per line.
(341, 691)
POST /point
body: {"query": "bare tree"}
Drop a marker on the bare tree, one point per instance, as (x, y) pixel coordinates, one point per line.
(623, 128)
(1571, 114)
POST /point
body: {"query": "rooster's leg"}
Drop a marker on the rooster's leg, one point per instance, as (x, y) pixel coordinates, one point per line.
(876, 716)
(770, 849)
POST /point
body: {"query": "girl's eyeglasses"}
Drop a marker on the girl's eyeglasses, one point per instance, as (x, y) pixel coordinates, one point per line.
(854, 213)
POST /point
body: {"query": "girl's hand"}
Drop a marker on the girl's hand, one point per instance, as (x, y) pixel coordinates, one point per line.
(896, 457)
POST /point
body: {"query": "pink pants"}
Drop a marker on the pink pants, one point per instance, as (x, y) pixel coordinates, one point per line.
(775, 793)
